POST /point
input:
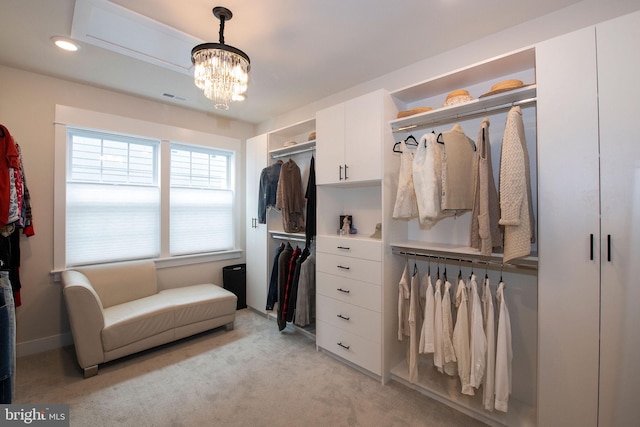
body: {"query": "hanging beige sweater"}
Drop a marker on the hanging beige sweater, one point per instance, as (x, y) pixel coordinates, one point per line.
(458, 170)
(485, 230)
(515, 189)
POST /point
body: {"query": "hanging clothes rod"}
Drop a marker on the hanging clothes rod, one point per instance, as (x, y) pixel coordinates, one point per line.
(289, 153)
(287, 238)
(467, 259)
(466, 116)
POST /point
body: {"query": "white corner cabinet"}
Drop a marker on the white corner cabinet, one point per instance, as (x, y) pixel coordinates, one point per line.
(349, 136)
(445, 246)
(263, 239)
(352, 294)
(589, 338)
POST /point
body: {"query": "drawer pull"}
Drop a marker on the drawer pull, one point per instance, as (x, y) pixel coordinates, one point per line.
(344, 346)
(343, 317)
(346, 248)
(343, 267)
(344, 291)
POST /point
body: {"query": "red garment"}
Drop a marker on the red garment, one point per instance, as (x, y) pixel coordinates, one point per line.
(11, 159)
(286, 304)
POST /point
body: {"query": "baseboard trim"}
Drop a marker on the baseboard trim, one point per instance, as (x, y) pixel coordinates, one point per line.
(27, 348)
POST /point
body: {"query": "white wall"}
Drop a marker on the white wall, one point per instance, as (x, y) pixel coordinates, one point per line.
(27, 105)
(577, 16)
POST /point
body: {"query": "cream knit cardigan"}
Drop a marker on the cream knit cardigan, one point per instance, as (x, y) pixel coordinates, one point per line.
(515, 189)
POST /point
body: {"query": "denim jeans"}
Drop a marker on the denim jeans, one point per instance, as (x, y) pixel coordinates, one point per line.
(7, 340)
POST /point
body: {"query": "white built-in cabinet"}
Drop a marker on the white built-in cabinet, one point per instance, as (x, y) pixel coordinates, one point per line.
(348, 141)
(589, 153)
(352, 293)
(263, 239)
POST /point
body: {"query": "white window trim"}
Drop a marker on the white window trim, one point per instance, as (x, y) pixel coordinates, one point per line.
(70, 116)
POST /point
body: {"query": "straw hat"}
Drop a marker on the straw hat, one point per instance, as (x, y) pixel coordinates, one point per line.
(504, 86)
(311, 136)
(456, 97)
(413, 111)
(289, 143)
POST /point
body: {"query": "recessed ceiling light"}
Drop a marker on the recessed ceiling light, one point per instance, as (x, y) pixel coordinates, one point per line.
(64, 43)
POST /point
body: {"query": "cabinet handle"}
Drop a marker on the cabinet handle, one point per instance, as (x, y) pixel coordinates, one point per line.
(343, 317)
(340, 172)
(344, 291)
(591, 250)
(343, 267)
(345, 172)
(346, 248)
(343, 345)
(609, 247)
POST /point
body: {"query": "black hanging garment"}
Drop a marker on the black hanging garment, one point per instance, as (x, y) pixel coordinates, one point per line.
(310, 225)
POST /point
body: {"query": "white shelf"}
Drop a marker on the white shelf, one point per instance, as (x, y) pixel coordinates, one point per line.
(301, 147)
(463, 253)
(473, 108)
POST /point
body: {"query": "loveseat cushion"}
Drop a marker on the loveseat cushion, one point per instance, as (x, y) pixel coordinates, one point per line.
(135, 320)
(196, 303)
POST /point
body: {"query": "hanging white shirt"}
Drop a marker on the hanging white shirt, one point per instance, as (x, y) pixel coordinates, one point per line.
(427, 179)
(406, 206)
(415, 320)
(490, 332)
(478, 340)
(504, 354)
(403, 303)
(427, 334)
(450, 360)
(461, 339)
(438, 343)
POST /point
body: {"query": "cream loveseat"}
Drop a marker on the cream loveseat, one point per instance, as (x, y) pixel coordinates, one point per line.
(116, 310)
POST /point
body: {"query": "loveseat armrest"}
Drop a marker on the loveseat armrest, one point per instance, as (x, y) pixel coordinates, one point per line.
(85, 316)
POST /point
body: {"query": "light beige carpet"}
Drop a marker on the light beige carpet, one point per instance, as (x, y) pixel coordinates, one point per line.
(251, 376)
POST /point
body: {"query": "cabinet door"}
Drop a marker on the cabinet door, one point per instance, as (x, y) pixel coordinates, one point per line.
(568, 195)
(255, 234)
(330, 143)
(363, 137)
(619, 92)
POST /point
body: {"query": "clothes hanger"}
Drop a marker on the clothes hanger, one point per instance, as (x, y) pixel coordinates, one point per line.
(439, 139)
(395, 147)
(411, 140)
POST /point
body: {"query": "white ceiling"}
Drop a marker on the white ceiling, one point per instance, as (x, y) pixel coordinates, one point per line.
(300, 51)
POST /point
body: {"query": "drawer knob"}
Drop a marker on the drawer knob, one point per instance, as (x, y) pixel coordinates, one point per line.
(346, 248)
(344, 346)
(344, 291)
(342, 267)
(343, 317)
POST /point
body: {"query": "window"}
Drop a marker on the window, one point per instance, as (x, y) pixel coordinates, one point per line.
(130, 189)
(201, 200)
(113, 198)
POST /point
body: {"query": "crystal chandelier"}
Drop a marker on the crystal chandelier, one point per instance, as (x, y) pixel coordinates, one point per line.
(221, 71)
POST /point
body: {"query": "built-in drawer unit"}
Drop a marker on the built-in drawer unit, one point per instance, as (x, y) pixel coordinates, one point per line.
(349, 299)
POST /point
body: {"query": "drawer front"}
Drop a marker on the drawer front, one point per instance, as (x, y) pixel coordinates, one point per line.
(351, 268)
(353, 348)
(356, 320)
(351, 247)
(362, 294)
